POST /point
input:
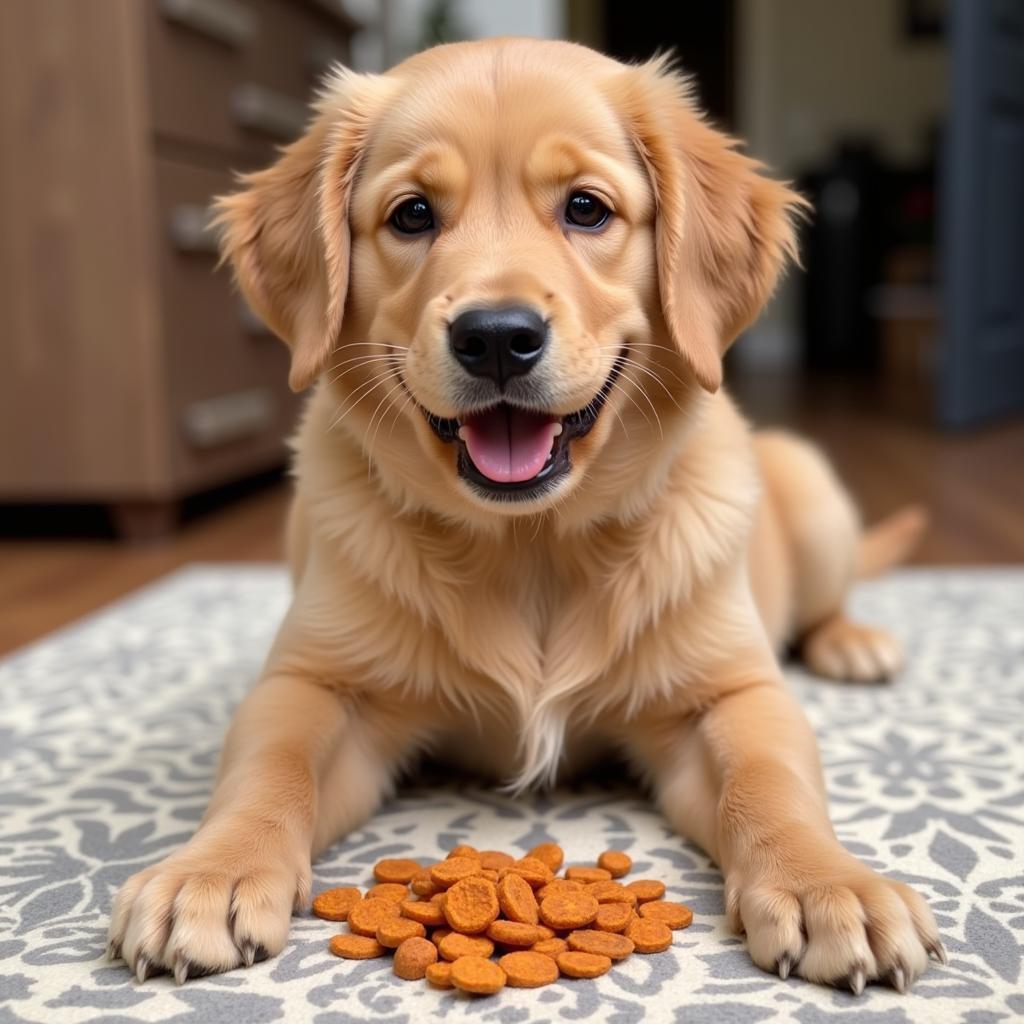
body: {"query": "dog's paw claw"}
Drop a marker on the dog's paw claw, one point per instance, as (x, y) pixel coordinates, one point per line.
(251, 952)
(784, 965)
(142, 968)
(857, 980)
(180, 970)
(113, 951)
(898, 978)
(938, 950)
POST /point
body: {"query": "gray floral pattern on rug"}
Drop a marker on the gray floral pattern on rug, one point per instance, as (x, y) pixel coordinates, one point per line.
(109, 734)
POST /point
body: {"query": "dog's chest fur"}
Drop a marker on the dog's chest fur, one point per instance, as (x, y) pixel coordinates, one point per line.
(547, 632)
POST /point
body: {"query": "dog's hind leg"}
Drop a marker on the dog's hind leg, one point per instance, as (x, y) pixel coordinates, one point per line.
(820, 537)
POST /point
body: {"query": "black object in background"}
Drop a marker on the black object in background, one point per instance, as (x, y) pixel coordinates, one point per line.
(701, 34)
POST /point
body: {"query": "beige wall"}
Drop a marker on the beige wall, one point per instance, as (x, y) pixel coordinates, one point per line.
(811, 72)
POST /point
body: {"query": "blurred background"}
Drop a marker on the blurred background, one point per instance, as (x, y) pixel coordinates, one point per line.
(143, 407)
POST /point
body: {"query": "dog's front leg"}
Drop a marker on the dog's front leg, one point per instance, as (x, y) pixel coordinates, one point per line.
(743, 779)
(299, 766)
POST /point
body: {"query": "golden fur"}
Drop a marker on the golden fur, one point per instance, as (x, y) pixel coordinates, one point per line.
(637, 608)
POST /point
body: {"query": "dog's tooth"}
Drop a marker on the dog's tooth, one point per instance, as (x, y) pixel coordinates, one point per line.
(557, 430)
(459, 434)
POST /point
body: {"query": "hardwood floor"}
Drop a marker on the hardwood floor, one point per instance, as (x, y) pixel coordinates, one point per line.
(973, 483)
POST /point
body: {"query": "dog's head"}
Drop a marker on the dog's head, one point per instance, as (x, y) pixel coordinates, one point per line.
(517, 253)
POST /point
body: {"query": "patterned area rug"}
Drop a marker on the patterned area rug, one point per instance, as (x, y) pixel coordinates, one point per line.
(109, 733)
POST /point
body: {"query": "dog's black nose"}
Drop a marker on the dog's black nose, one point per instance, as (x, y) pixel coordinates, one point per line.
(498, 343)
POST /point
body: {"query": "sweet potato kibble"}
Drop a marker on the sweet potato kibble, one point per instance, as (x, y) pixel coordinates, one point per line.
(615, 862)
(524, 969)
(335, 904)
(545, 927)
(400, 871)
(413, 957)
(477, 975)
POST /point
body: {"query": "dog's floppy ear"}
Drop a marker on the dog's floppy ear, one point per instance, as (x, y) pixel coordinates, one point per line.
(286, 234)
(723, 231)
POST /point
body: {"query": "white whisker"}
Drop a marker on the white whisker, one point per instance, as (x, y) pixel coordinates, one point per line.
(353, 401)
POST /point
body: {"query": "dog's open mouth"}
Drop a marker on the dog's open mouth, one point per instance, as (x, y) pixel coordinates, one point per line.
(510, 452)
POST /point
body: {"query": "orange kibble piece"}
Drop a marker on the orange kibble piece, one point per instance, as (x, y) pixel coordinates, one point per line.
(545, 932)
(413, 957)
(389, 891)
(426, 912)
(549, 853)
(550, 947)
(335, 904)
(672, 915)
(608, 944)
(471, 905)
(448, 872)
(393, 932)
(495, 860)
(534, 871)
(581, 874)
(611, 892)
(525, 969)
(646, 889)
(559, 887)
(356, 947)
(462, 850)
(613, 917)
(514, 933)
(575, 910)
(649, 936)
(422, 884)
(491, 874)
(615, 862)
(438, 934)
(454, 945)
(583, 965)
(477, 975)
(400, 871)
(517, 900)
(438, 898)
(440, 974)
(368, 915)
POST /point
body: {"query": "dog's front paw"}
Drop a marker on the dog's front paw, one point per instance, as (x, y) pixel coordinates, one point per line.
(223, 900)
(830, 919)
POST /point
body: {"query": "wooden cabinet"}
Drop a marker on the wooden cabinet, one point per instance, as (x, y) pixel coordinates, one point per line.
(130, 372)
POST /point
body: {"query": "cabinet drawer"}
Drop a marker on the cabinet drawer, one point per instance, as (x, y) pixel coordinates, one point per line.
(235, 75)
(226, 377)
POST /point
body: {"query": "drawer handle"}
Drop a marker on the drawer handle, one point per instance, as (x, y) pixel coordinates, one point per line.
(234, 417)
(264, 110)
(226, 21)
(191, 228)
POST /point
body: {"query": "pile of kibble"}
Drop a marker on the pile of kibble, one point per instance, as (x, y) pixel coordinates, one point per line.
(444, 922)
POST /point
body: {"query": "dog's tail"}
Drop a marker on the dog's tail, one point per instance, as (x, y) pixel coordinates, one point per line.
(891, 541)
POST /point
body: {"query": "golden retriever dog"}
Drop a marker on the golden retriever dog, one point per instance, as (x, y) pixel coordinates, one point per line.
(529, 526)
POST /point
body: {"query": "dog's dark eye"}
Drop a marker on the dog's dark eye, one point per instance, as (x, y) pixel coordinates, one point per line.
(586, 211)
(413, 216)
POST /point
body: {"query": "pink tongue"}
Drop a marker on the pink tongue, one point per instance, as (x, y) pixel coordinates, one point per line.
(509, 445)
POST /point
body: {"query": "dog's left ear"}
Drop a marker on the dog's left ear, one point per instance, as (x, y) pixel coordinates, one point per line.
(723, 231)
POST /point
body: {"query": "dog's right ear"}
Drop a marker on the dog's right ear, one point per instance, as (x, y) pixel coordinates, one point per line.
(286, 234)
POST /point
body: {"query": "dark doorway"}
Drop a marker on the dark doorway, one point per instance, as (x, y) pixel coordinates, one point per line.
(700, 33)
